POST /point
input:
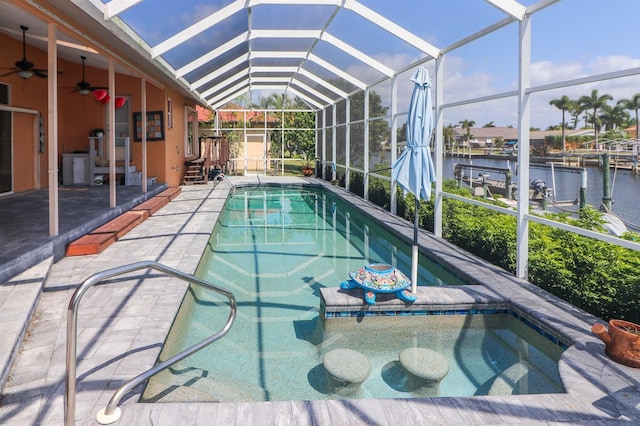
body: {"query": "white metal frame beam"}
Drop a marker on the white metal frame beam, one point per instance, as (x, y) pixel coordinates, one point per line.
(305, 97)
(301, 71)
(393, 28)
(226, 67)
(249, 71)
(524, 117)
(226, 99)
(337, 71)
(116, 7)
(357, 54)
(233, 83)
(197, 28)
(510, 7)
(313, 92)
(267, 86)
(202, 60)
(225, 84)
(237, 88)
(324, 83)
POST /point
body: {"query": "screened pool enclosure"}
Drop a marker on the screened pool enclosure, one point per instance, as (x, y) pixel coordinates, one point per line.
(349, 62)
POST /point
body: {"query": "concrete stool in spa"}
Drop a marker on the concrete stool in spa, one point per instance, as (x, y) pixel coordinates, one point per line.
(426, 368)
(346, 369)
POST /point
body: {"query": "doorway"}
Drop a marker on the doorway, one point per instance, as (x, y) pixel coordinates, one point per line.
(256, 153)
(122, 130)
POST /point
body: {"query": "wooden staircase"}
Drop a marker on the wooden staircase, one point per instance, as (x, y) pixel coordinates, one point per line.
(195, 173)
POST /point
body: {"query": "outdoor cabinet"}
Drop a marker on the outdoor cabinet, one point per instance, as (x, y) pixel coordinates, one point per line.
(75, 169)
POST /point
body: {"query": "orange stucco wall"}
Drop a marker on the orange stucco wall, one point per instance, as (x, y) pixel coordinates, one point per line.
(23, 148)
(78, 115)
(30, 166)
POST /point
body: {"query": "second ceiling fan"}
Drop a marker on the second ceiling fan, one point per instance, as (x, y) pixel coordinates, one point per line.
(84, 87)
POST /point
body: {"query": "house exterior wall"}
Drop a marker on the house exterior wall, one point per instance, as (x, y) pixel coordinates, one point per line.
(30, 166)
(78, 115)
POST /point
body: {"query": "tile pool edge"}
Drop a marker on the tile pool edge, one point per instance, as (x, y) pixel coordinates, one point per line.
(336, 303)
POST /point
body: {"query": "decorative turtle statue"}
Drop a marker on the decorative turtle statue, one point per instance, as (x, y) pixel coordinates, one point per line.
(379, 278)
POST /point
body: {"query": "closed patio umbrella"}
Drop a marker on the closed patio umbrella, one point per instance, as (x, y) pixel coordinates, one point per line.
(413, 170)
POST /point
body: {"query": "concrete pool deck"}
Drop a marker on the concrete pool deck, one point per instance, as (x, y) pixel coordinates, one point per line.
(123, 323)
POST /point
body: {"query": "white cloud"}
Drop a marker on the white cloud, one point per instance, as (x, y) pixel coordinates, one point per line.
(544, 72)
(603, 64)
(461, 82)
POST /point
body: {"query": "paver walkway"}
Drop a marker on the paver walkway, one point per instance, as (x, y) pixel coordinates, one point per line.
(123, 323)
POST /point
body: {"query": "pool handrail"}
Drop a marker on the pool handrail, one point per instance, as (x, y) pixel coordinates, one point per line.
(223, 177)
(112, 412)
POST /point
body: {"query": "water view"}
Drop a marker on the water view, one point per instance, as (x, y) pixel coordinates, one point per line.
(625, 185)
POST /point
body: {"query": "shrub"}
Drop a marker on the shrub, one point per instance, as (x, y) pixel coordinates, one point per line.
(594, 275)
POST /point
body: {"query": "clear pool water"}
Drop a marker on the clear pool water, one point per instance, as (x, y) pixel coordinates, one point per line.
(274, 248)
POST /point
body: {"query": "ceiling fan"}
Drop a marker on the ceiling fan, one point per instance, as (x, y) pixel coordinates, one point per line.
(24, 68)
(84, 87)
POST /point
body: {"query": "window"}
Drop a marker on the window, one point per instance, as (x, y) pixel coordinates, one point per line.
(169, 113)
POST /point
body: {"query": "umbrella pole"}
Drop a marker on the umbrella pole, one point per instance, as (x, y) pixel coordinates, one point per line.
(414, 250)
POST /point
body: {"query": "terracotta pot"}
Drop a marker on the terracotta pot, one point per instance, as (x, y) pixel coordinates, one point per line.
(307, 171)
(622, 341)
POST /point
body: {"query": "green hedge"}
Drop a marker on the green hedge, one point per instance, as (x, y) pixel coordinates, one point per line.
(599, 277)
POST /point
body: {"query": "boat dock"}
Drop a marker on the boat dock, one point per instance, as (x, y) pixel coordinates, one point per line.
(484, 185)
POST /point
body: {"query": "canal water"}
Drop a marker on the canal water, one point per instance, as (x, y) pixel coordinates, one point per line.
(625, 187)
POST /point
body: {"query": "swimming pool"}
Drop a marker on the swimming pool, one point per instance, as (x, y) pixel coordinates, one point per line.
(275, 248)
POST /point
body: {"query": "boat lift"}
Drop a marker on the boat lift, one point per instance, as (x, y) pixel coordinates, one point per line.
(507, 188)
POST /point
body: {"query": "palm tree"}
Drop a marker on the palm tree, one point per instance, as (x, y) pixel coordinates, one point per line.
(594, 103)
(614, 117)
(280, 102)
(564, 103)
(448, 135)
(467, 124)
(574, 111)
(275, 101)
(632, 104)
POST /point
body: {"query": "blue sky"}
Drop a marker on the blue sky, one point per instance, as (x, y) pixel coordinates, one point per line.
(571, 39)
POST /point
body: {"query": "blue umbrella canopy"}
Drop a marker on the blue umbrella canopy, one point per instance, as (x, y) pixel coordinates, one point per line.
(413, 170)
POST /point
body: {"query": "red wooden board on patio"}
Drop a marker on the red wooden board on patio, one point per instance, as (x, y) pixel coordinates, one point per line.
(90, 244)
(170, 193)
(121, 224)
(153, 204)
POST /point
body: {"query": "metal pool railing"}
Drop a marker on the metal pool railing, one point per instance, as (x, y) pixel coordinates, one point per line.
(112, 412)
(222, 177)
